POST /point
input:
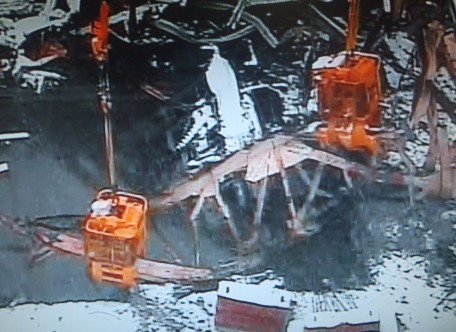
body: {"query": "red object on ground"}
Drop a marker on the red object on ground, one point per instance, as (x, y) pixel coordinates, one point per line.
(49, 48)
(346, 327)
(233, 315)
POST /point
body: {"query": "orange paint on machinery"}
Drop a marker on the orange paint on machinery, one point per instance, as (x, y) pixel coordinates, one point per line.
(115, 239)
(101, 33)
(348, 97)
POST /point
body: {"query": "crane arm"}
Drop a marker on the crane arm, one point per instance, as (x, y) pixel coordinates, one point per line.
(100, 45)
(353, 18)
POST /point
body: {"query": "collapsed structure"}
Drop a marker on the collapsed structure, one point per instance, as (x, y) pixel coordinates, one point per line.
(349, 91)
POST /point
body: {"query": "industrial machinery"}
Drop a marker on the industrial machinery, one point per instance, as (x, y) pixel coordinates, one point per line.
(115, 230)
(113, 241)
(114, 233)
(348, 88)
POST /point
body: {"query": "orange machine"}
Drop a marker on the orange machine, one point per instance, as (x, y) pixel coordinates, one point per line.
(115, 231)
(115, 236)
(348, 88)
(101, 33)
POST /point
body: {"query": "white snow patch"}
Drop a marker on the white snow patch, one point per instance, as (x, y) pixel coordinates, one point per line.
(264, 294)
(444, 119)
(417, 153)
(448, 216)
(401, 288)
(393, 159)
(68, 317)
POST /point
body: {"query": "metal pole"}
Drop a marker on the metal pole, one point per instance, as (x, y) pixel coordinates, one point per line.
(100, 49)
(105, 104)
(352, 25)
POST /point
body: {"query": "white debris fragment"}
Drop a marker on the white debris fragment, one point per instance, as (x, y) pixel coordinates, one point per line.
(422, 136)
(445, 83)
(14, 136)
(101, 207)
(97, 316)
(14, 6)
(37, 79)
(404, 106)
(417, 153)
(328, 62)
(393, 159)
(312, 103)
(312, 127)
(400, 289)
(4, 167)
(18, 33)
(387, 6)
(26, 76)
(203, 119)
(331, 319)
(292, 101)
(237, 128)
(453, 250)
(399, 50)
(445, 120)
(264, 293)
(449, 216)
(253, 59)
(23, 62)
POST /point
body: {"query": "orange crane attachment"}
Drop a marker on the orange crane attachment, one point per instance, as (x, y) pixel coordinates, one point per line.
(114, 240)
(115, 231)
(348, 88)
(100, 31)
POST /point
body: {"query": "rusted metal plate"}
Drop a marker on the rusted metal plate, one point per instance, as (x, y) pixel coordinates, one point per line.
(235, 315)
(368, 326)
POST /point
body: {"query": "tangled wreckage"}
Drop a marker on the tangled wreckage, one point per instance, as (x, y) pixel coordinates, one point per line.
(347, 140)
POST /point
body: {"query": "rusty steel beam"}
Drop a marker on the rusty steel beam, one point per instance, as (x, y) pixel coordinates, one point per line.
(443, 183)
(255, 21)
(185, 35)
(450, 53)
(255, 234)
(148, 270)
(303, 212)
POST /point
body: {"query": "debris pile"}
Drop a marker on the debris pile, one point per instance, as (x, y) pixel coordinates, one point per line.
(401, 291)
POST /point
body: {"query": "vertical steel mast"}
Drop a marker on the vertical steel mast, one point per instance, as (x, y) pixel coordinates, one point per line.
(352, 25)
(100, 49)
